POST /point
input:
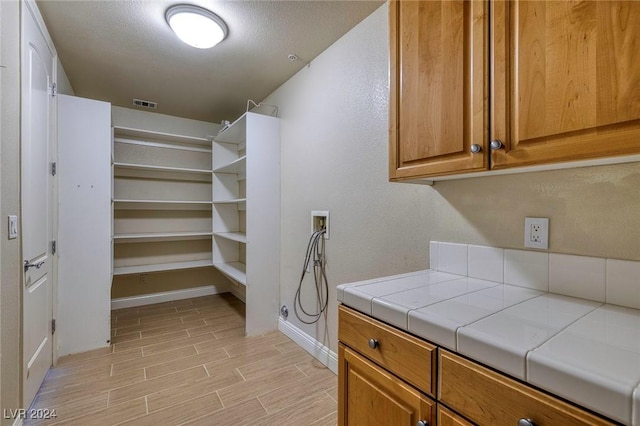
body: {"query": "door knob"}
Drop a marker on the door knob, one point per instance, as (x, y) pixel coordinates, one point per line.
(422, 423)
(28, 265)
(373, 343)
(475, 148)
(526, 422)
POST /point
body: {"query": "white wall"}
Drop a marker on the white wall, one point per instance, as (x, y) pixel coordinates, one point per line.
(64, 85)
(10, 266)
(334, 157)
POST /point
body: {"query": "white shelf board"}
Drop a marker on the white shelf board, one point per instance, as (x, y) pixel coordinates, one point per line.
(234, 201)
(240, 237)
(120, 204)
(153, 135)
(125, 270)
(237, 166)
(132, 166)
(161, 236)
(235, 133)
(234, 270)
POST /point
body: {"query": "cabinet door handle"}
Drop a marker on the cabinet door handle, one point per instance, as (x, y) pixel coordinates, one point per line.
(422, 423)
(373, 343)
(475, 148)
(496, 144)
(526, 422)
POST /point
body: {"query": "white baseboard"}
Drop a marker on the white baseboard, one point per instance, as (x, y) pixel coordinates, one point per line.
(167, 296)
(319, 351)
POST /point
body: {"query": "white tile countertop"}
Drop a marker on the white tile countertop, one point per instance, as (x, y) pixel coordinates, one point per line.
(586, 351)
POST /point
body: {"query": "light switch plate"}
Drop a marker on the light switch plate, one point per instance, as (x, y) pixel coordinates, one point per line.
(13, 227)
(536, 232)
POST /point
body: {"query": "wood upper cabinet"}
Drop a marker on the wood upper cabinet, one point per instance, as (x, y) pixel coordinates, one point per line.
(565, 80)
(369, 395)
(438, 87)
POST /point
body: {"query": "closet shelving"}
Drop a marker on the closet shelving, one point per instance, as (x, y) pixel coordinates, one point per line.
(161, 201)
(229, 201)
(246, 215)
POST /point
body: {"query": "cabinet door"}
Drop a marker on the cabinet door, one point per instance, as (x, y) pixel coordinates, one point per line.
(369, 395)
(565, 81)
(438, 88)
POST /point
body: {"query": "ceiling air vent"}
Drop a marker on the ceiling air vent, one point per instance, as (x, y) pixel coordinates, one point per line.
(145, 104)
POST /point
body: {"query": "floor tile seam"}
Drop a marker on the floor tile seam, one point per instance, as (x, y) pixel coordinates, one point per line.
(174, 348)
(263, 392)
(87, 413)
(158, 377)
(237, 370)
(157, 333)
(142, 346)
(302, 401)
(330, 396)
(201, 395)
(153, 326)
(263, 407)
(167, 342)
(128, 340)
(190, 421)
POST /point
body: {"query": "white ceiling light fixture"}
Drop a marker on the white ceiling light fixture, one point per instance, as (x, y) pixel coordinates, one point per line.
(196, 26)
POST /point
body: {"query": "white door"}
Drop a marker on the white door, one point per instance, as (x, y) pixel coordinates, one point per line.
(37, 105)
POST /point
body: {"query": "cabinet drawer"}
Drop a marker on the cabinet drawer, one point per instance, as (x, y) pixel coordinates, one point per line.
(370, 395)
(489, 398)
(404, 355)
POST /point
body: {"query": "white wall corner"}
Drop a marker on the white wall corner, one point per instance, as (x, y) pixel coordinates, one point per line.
(319, 351)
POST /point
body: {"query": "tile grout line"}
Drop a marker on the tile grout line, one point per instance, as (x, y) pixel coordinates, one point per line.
(240, 373)
(263, 407)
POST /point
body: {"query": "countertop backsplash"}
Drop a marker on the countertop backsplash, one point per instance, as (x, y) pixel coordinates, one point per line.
(612, 281)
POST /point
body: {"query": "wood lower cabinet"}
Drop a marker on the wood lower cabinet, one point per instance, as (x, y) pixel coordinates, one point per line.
(490, 398)
(563, 75)
(371, 390)
(369, 395)
(408, 357)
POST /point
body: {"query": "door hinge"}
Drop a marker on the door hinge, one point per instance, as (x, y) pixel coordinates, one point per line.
(54, 247)
(54, 168)
(53, 89)
(53, 326)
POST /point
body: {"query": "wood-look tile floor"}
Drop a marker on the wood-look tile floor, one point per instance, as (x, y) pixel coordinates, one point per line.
(188, 362)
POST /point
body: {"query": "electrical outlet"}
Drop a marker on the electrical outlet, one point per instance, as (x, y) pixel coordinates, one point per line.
(536, 232)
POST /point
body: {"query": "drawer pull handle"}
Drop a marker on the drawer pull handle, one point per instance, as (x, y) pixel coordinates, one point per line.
(422, 423)
(526, 422)
(373, 343)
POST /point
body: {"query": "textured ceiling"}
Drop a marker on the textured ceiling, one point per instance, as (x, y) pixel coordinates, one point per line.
(119, 50)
